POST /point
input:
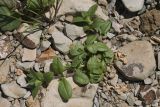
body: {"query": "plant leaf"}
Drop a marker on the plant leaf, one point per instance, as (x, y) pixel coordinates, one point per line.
(76, 49)
(36, 88)
(101, 47)
(76, 62)
(8, 20)
(48, 76)
(65, 89)
(92, 10)
(8, 3)
(101, 25)
(96, 78)
(93, 63)
(80, 78)
(90, 39)
(92, 48)
(57, 66)
(39, 5)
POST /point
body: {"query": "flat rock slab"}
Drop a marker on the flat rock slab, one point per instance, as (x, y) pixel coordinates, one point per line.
(150, 21)
(140, 60)
(81, 97)
(73, 6)
(133, 5)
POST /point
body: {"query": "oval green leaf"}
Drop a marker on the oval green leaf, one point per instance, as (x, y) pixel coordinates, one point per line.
(64, 89)
(80, 78)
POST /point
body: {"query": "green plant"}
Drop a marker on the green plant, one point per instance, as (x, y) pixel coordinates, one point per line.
(64, 88)
(89, 62)
(38, 79)
(91, 58)
(90, 22)
(32, 11)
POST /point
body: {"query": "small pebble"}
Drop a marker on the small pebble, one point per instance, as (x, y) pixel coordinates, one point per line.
(148, 81)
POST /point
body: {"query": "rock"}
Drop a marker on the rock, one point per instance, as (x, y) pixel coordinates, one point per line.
(21, 80)
(133, 6)
(29, 40)
(27, 95)
(102, 2)
(35, 37)
(47, 65)
(74, 31)
(123, 96)
(22, 103)
(45, 45)
(116, 26)
(159, 60)
(150, 21)
(110, 35)
(13, 90)
(130, 99)
(73, 6)
(127, 37)
(122, 105)
(4, 70)
(61, 42)
(29, 55)
(155, 103)
(138, 102)
(148, 95)
(138, 54)
(79, 98)
(25, 65)
(32, 102)
(114, 80)
(23, 27)
(16, 104)
(5, 47)
(4, 102)
(46, 55)
(148, 81)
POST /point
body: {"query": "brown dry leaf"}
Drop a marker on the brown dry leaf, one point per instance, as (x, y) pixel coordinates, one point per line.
(48, 54)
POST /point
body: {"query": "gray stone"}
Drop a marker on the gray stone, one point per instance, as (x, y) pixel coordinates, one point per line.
(110, 35)
(148, 81)
(16, 104)
(155, 103)
(159, 60)
(116, 26)
(73, 6)
(29, 54)
(21, 80)
(5, 47)
(74, 31)
(133, 5)
(79, 98)
(138, 102)
(13, 90)
(35, 37)
(27, 95)
(4, 102)
(25, 65)
(138, 54)
(62, 43)
(127, 37)
(114, 80)
(123, 96)
(45, 45)
(4, 70)
(47, 65)
(131, 99)
(148, 95)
